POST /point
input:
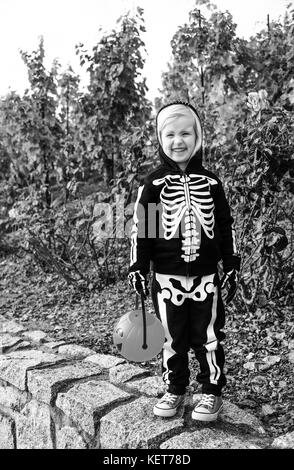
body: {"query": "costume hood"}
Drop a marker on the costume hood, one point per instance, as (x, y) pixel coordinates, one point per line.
(185, 109)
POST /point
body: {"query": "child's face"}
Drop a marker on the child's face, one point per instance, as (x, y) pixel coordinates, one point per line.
(179, 140)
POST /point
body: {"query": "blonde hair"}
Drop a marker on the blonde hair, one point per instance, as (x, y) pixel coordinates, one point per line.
(175, 111)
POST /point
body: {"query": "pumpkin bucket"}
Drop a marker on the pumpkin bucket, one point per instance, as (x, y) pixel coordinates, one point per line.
(139, 335)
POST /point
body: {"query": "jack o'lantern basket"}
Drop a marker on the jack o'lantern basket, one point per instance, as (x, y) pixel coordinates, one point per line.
(139, 335)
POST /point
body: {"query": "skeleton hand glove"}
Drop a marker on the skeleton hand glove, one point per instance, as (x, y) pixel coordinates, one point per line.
(231, 279)
(139, 283)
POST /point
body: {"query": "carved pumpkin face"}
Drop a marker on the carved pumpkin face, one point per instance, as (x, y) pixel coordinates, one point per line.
(128, 336)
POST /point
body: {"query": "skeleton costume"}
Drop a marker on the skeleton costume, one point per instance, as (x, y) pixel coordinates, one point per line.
(182, 223)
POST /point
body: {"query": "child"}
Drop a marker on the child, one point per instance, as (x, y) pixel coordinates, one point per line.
(192, 233)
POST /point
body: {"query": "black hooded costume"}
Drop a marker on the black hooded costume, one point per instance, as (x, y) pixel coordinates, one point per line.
(182, 223)
(204, 211)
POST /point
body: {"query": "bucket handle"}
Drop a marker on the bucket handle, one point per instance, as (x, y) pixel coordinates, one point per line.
(144, 345)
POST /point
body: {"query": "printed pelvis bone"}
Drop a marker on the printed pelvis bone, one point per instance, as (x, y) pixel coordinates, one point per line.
(187, 200)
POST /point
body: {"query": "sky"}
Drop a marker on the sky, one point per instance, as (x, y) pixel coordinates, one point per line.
(65, 23)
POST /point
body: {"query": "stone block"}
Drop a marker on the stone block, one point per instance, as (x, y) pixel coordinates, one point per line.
(21, 345)
(36, 336)
(86, 402)
(285, 441)
(44, 384)
(10, 326)
(13, 398)
(14, 366)
(134, 426)
(69, 438)
(106, 361)
(152, 386)
(209, 439)
(7, 341)
(124, 372)
(234, 415)
(33, 427)
(74, 351)
(7, 431)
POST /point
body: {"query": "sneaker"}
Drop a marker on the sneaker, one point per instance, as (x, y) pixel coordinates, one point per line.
(208, 408)
(167, 406)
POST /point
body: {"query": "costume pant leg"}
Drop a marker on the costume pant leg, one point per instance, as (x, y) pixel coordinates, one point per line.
(174, 315)
(192, 314)
(207, 319)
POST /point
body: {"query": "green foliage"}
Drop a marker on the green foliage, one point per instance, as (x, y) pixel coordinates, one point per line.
(64, 151)
(205, 70)
(261, 189)
(115, 102)
(244, 92)
(273, 57)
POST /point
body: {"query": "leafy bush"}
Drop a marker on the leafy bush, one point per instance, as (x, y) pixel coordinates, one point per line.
(261, 190)
(64, 151)
(244, 92)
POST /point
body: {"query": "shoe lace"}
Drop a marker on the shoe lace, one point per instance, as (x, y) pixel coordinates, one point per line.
(207, 400)
(169, 398)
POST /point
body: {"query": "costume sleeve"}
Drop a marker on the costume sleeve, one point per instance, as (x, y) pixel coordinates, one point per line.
(231, 259)
(141, 244)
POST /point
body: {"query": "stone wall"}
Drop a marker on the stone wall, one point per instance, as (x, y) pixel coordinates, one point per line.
(64, 396)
